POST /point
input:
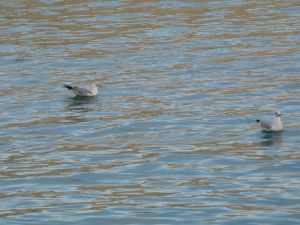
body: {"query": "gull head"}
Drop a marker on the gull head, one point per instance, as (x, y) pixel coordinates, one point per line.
(278, 113)
(97, 84)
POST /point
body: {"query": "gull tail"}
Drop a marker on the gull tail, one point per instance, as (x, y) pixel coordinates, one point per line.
(257, 121)
(68, 86)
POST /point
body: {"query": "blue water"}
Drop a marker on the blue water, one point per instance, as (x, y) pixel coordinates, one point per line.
(171, 138)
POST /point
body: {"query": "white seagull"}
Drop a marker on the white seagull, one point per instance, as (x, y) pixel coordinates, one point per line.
(92, 90)
(275, 125)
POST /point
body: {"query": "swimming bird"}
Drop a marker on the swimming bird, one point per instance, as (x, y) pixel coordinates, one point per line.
(275, 125)
(92, 90)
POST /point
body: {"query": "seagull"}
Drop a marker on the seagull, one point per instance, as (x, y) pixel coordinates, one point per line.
(275, 125)
(92, 90)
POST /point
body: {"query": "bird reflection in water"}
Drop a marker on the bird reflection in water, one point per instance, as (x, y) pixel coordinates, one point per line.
(82, 104)
(271, 138)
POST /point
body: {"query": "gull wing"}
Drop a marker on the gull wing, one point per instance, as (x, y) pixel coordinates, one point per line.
(265, 125)
(81, 91)
(78, 90)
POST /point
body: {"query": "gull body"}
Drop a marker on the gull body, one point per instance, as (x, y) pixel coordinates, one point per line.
(92, 90)
(275, 125)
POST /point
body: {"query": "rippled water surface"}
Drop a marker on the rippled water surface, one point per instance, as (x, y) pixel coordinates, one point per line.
(171, 138)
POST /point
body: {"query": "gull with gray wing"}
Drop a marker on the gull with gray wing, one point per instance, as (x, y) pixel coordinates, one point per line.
(275, 125)
(92, 90)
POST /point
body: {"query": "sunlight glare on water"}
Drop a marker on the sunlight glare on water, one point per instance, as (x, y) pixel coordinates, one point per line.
(171, 138)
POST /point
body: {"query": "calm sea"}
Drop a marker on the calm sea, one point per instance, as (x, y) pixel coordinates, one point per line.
(171, 138)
